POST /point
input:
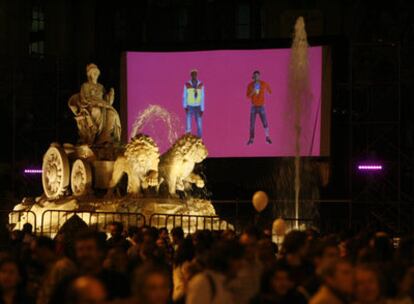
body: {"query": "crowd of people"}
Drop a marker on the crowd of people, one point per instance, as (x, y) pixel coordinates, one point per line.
(156, 266)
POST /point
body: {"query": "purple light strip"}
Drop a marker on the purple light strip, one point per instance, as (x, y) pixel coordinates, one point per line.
(370, 167)
(33, 171)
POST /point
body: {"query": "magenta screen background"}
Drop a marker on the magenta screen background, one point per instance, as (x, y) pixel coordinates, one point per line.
(158, 78)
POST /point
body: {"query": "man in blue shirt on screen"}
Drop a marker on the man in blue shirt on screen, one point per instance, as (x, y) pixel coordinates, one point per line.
(193, 102)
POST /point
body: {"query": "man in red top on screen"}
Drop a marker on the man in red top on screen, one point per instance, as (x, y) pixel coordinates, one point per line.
(256, 92)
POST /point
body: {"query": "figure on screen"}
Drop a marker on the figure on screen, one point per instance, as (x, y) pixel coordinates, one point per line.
(193, 102)
(256, 92)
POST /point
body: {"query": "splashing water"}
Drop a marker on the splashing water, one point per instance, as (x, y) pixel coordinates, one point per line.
(298, 95)
(149, 122)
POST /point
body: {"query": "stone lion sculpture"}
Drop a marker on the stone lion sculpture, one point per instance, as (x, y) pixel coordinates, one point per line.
(177, 164)
(140, 162)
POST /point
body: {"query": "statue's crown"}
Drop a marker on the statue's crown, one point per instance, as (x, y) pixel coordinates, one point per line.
(91, 66)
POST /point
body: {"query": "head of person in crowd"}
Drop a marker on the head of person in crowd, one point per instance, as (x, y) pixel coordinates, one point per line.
(266, 252)
(150, 251)
(382, 245)
(228, 234)
(151, 284)
(277, 282)
(250, 236)
(133, 234)
(177, 235)
(79, 290)
(164, 234)
(27, 228)
(367, 285)
(312, 233)
(185, 252)
(202, 240)
(380, 249)
(323, 252)
(295, 247)
(249, 239)
(116, 260)
(12, 282)
(150, 234)
(116, 229)
(89, 251)
(44, 250)
(405, 251)
(338, 276)
(226, 257)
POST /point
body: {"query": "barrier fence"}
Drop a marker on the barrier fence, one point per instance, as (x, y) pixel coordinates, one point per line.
(233, 214)
(53, 220)
(20, 218)
(189, 223)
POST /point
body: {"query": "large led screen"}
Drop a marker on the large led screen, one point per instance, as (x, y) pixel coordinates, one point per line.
(233, 114)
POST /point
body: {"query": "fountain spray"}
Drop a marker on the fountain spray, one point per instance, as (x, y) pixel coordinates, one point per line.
(298, 93)
(145, 119)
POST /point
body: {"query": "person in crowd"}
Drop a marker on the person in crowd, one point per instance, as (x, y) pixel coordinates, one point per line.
(164, 234)
(177, 234)
(151, 285)
(40, 263)
(405, 288)
(89, 257)
(44, 251)
(205, 267)
(133, 232)
(28, 236)
(211, 285)
(13, 283)
(247, 282)
(228, 234)
(294, 255)
(338, 283)
(266, 253)
(321, 252)
(278, 287)
(117, 239)
(80, 290)
(117, 260)
(368, 285)
(405, 253)
(182, 258)
(164, 242)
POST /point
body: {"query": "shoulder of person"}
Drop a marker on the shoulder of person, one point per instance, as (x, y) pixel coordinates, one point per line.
(199, 278)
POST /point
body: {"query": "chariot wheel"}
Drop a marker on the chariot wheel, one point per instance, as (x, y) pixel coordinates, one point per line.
(81, 178)
(55, 172)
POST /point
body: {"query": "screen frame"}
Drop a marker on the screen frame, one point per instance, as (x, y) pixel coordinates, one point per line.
(326, 83)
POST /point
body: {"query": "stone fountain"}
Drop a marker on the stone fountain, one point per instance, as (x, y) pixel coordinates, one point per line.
(88, 176)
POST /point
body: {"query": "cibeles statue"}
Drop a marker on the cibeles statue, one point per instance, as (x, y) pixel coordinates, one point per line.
(98, 121)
